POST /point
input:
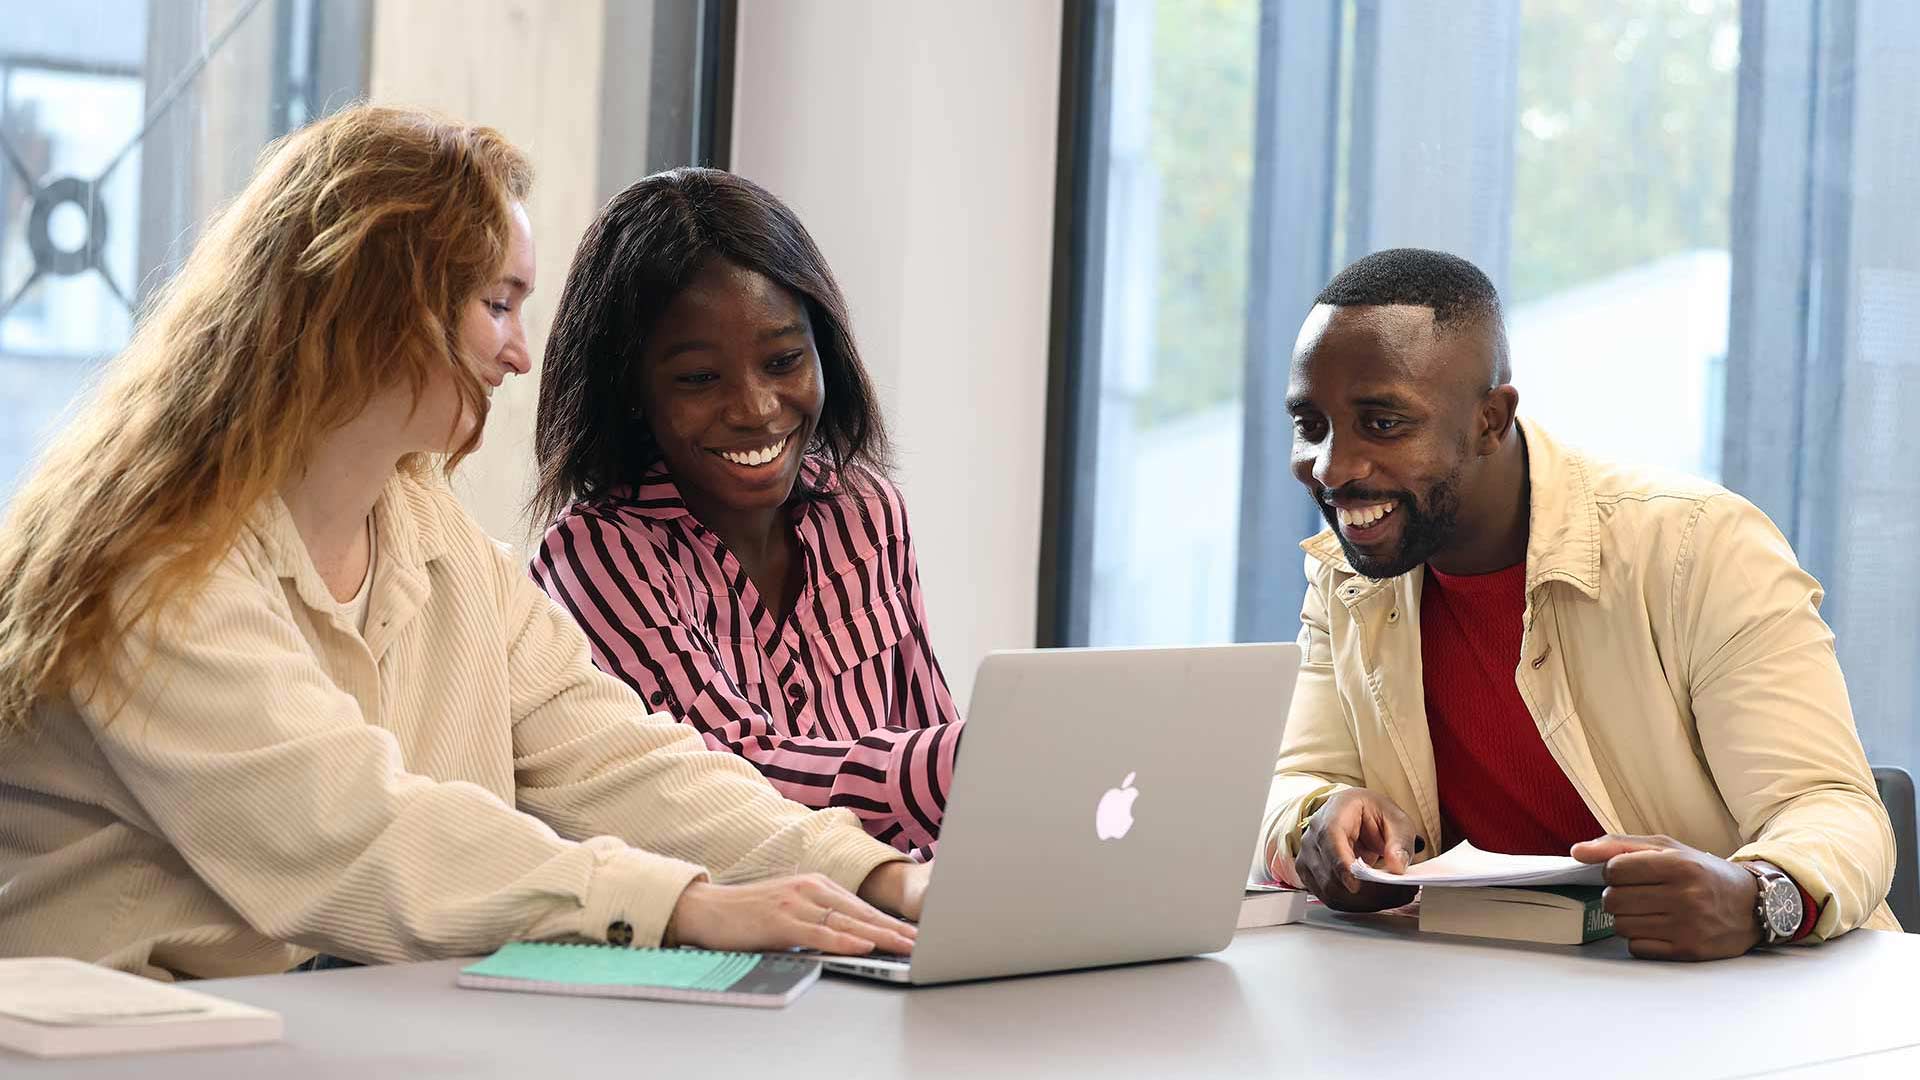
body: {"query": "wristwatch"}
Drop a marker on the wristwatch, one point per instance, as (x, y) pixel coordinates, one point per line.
(1778, 906)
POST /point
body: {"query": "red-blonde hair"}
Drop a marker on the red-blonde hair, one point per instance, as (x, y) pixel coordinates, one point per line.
(339, 272)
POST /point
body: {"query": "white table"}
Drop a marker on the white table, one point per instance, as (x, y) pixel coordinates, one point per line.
(1337, 997)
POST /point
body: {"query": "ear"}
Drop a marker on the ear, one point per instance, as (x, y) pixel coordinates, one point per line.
(1497, 411)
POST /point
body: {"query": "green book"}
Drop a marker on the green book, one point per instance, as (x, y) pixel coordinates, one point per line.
(1550, 914)
(713, 978)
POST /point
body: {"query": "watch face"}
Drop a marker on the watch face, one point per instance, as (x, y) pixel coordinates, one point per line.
(1783, 908)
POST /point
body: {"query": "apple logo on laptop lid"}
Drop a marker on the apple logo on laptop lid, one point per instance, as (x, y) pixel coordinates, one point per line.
(1113, 818)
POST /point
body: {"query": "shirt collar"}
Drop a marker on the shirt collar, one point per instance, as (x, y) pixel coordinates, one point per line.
(657, 497)
(405, 516)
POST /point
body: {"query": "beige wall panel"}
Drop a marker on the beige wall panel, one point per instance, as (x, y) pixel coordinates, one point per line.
(531, 69)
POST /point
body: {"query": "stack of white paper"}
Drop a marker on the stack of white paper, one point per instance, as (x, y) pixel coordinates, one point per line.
(56, 1007)
(1466, 865)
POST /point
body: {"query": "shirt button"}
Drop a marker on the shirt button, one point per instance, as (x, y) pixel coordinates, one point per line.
(659, 698)
(797, 692)
(1393, 616)
(620, 933)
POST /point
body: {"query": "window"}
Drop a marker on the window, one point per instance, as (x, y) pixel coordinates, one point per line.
(1693, 210)
(123, 124)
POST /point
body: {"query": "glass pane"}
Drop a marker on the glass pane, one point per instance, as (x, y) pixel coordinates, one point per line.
(34, 396)
(1623, 182)
(1581, 154)
(71, 102)
(118, 144)
(1179, 176)
(69, 125)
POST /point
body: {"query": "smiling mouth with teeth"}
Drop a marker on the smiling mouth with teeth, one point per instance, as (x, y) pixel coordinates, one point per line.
(1362, 517)
(754, 458)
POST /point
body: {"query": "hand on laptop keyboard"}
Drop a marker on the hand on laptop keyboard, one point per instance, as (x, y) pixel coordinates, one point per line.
(808, 911)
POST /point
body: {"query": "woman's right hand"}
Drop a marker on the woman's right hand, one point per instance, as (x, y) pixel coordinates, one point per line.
(808, 911)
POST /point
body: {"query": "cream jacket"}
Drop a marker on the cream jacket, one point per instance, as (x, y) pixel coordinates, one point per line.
(1673, 658)
(272, 783)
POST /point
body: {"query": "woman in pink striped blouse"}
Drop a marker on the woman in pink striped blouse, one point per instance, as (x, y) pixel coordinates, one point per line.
(725, 533)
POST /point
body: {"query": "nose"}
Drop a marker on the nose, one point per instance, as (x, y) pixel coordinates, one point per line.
(754, 405)
(1337, 463)
(516, 356)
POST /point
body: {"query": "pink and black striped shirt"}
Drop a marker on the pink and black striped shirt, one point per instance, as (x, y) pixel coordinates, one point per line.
(840, 704)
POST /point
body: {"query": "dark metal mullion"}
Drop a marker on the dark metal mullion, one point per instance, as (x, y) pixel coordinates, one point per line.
(1073, 375)
(339, 67)
(170, 164)
(713, 90)
(1290, 252)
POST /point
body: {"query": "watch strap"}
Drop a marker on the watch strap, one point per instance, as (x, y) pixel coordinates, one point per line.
(1767, 875)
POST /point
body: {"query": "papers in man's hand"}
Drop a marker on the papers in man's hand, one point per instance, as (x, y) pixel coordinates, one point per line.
(1467, 865)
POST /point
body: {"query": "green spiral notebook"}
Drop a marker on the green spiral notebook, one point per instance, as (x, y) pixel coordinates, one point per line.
(713, 978)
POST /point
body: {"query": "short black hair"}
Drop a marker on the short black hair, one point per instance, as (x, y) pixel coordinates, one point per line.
(644, 248)
(1459, 295)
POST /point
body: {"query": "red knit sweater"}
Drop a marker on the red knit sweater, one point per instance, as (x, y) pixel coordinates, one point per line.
(1499, 786)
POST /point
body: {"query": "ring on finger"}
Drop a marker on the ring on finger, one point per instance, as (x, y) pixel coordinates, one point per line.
(826, 916)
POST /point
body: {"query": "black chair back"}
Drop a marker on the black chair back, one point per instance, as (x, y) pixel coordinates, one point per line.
(1896, 790)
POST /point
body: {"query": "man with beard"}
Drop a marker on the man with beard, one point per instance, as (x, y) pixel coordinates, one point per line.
(1509, 643)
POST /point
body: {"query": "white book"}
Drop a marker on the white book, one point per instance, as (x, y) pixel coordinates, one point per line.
(51, 1006)
(1267, 904)
(1467, 866)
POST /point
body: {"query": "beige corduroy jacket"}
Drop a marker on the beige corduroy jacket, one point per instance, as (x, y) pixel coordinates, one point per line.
(258, 781)
(1673, 658)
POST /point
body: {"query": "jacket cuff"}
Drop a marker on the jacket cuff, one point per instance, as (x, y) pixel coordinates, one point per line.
(1281, 836)
(632, 896)
(845, 853)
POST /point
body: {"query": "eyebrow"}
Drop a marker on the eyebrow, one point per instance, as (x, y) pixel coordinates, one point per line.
(679, 347)
(1296, 402)
(515, 281)
(784, 331)
(1384, 401)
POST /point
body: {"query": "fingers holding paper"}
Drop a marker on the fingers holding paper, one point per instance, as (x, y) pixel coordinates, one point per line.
(1674, 902)
(1363, 825)
(1604, 848)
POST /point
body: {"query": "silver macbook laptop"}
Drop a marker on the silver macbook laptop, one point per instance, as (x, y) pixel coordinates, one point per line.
(1103, 807)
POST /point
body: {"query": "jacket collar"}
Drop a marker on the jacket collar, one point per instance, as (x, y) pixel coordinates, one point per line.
(1563, 520)
(655, 495)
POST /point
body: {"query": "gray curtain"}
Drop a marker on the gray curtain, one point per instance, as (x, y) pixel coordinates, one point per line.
(1823, 371)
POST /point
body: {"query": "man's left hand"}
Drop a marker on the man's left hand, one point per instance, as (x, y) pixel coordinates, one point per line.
(1673, 902)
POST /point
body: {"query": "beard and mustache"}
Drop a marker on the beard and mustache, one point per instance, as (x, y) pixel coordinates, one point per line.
(1428, 524)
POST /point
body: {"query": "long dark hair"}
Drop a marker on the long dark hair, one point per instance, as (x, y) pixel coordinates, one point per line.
(646, 245)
